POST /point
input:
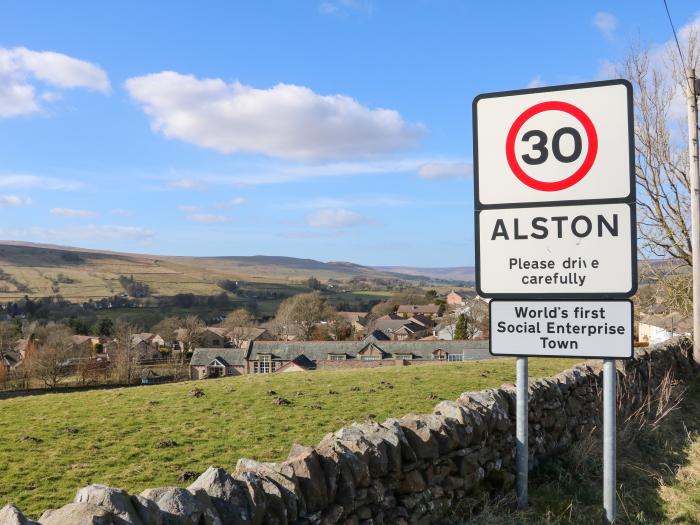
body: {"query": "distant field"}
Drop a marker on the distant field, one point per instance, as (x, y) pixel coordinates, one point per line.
(79, 275)
(117, 430)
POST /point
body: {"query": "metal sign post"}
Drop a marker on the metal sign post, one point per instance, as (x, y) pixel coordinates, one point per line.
(521, 423)
(609, 441)
(555, 230)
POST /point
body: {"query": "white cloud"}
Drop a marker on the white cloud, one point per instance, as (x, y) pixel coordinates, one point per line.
(606, 23)
(186, 184)
(37, 182)
(236, 201)
(368, 201)
(79, 233)
(536, 82)
(14, 201)
(285, 121)
(121, 212)
(336, 218)
(273, 172)
(445, 170)
(342, 7)
(72, 212)
(207, 218)
(21, 70)
(187, 208)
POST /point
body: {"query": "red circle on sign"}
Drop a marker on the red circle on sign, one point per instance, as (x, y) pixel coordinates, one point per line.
(587, 161)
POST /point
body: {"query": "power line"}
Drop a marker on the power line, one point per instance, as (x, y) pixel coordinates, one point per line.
(675, 36)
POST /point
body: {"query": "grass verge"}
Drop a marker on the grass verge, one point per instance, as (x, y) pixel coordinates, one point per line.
(52, 444)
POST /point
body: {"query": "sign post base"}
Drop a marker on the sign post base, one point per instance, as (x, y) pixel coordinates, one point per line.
(521, 423)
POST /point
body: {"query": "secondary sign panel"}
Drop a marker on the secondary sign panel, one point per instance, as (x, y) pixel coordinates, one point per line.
(592, 329)
(557, 251)
(555, 144)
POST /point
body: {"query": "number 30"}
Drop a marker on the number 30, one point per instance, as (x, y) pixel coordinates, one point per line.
(541, 146)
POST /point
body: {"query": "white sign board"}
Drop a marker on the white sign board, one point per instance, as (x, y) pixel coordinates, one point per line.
(592, 329)
(557, 251)
(557, 144)
(554, 192)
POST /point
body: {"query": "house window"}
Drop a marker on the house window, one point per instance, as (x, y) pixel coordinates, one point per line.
(215, 342)
(455, 357)
(404, 356)
(337, 357)
(264, 364)
(371, 358)
(440, 355)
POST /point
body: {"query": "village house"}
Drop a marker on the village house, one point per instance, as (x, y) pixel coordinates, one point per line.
(657, 329)
(455, 299)
(357, 320)
(266, 357)
(428, 310)
(217, 362)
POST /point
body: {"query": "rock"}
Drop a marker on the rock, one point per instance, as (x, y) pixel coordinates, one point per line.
(255, 493)
(10, 515)
(413, 481)
(227, 495)
(166, 443)
(147, 510)
(79, 514)
(196, 392)
(29, 439)
(178, 506)
(209, 514)
(280, 401)
(117, 501)
(420, 437)
(408, 455)
(305, 464)
(187, 475)
(282, 476)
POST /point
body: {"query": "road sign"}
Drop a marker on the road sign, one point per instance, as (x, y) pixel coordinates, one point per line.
(591, 329)
(554, 145)
(557, 251)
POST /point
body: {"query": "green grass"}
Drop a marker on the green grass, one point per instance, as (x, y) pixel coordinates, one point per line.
(658, 477)
(118, 429)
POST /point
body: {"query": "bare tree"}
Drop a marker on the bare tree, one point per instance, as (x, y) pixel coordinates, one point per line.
(124, 355)
(662, 167)
(190, 335)
(240, 326)
(55, 358)
(302, 313)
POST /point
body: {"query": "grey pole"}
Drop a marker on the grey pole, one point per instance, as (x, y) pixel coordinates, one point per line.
(693, 175)
(521, 422)
(609, 440)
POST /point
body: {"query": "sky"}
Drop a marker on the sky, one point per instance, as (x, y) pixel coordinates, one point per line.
(333, 130)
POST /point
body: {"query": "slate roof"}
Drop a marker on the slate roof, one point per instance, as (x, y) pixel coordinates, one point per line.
(232, 356)
(319, 350)
(392, 325)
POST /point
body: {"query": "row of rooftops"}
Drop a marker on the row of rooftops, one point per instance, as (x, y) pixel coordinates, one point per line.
(323, 350)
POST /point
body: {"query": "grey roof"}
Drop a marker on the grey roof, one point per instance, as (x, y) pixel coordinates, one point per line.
(319, 350)
(391, 325)
(376, 335)
(232, 356)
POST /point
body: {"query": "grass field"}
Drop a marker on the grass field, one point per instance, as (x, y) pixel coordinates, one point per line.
(40, 271)
(111, 436)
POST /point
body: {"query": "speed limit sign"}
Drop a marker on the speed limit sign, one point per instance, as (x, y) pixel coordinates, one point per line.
(554, 144)
(554, 192)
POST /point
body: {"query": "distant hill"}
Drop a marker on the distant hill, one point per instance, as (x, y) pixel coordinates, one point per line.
(79, 274)
(456, 273)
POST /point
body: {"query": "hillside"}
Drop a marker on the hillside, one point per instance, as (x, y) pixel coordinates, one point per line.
(111, 436)
(80, 274)
(456, 273)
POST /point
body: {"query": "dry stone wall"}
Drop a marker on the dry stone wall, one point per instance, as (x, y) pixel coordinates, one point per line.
(416, 469)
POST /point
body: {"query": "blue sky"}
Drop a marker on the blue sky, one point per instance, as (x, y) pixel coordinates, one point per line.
(336, 130)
